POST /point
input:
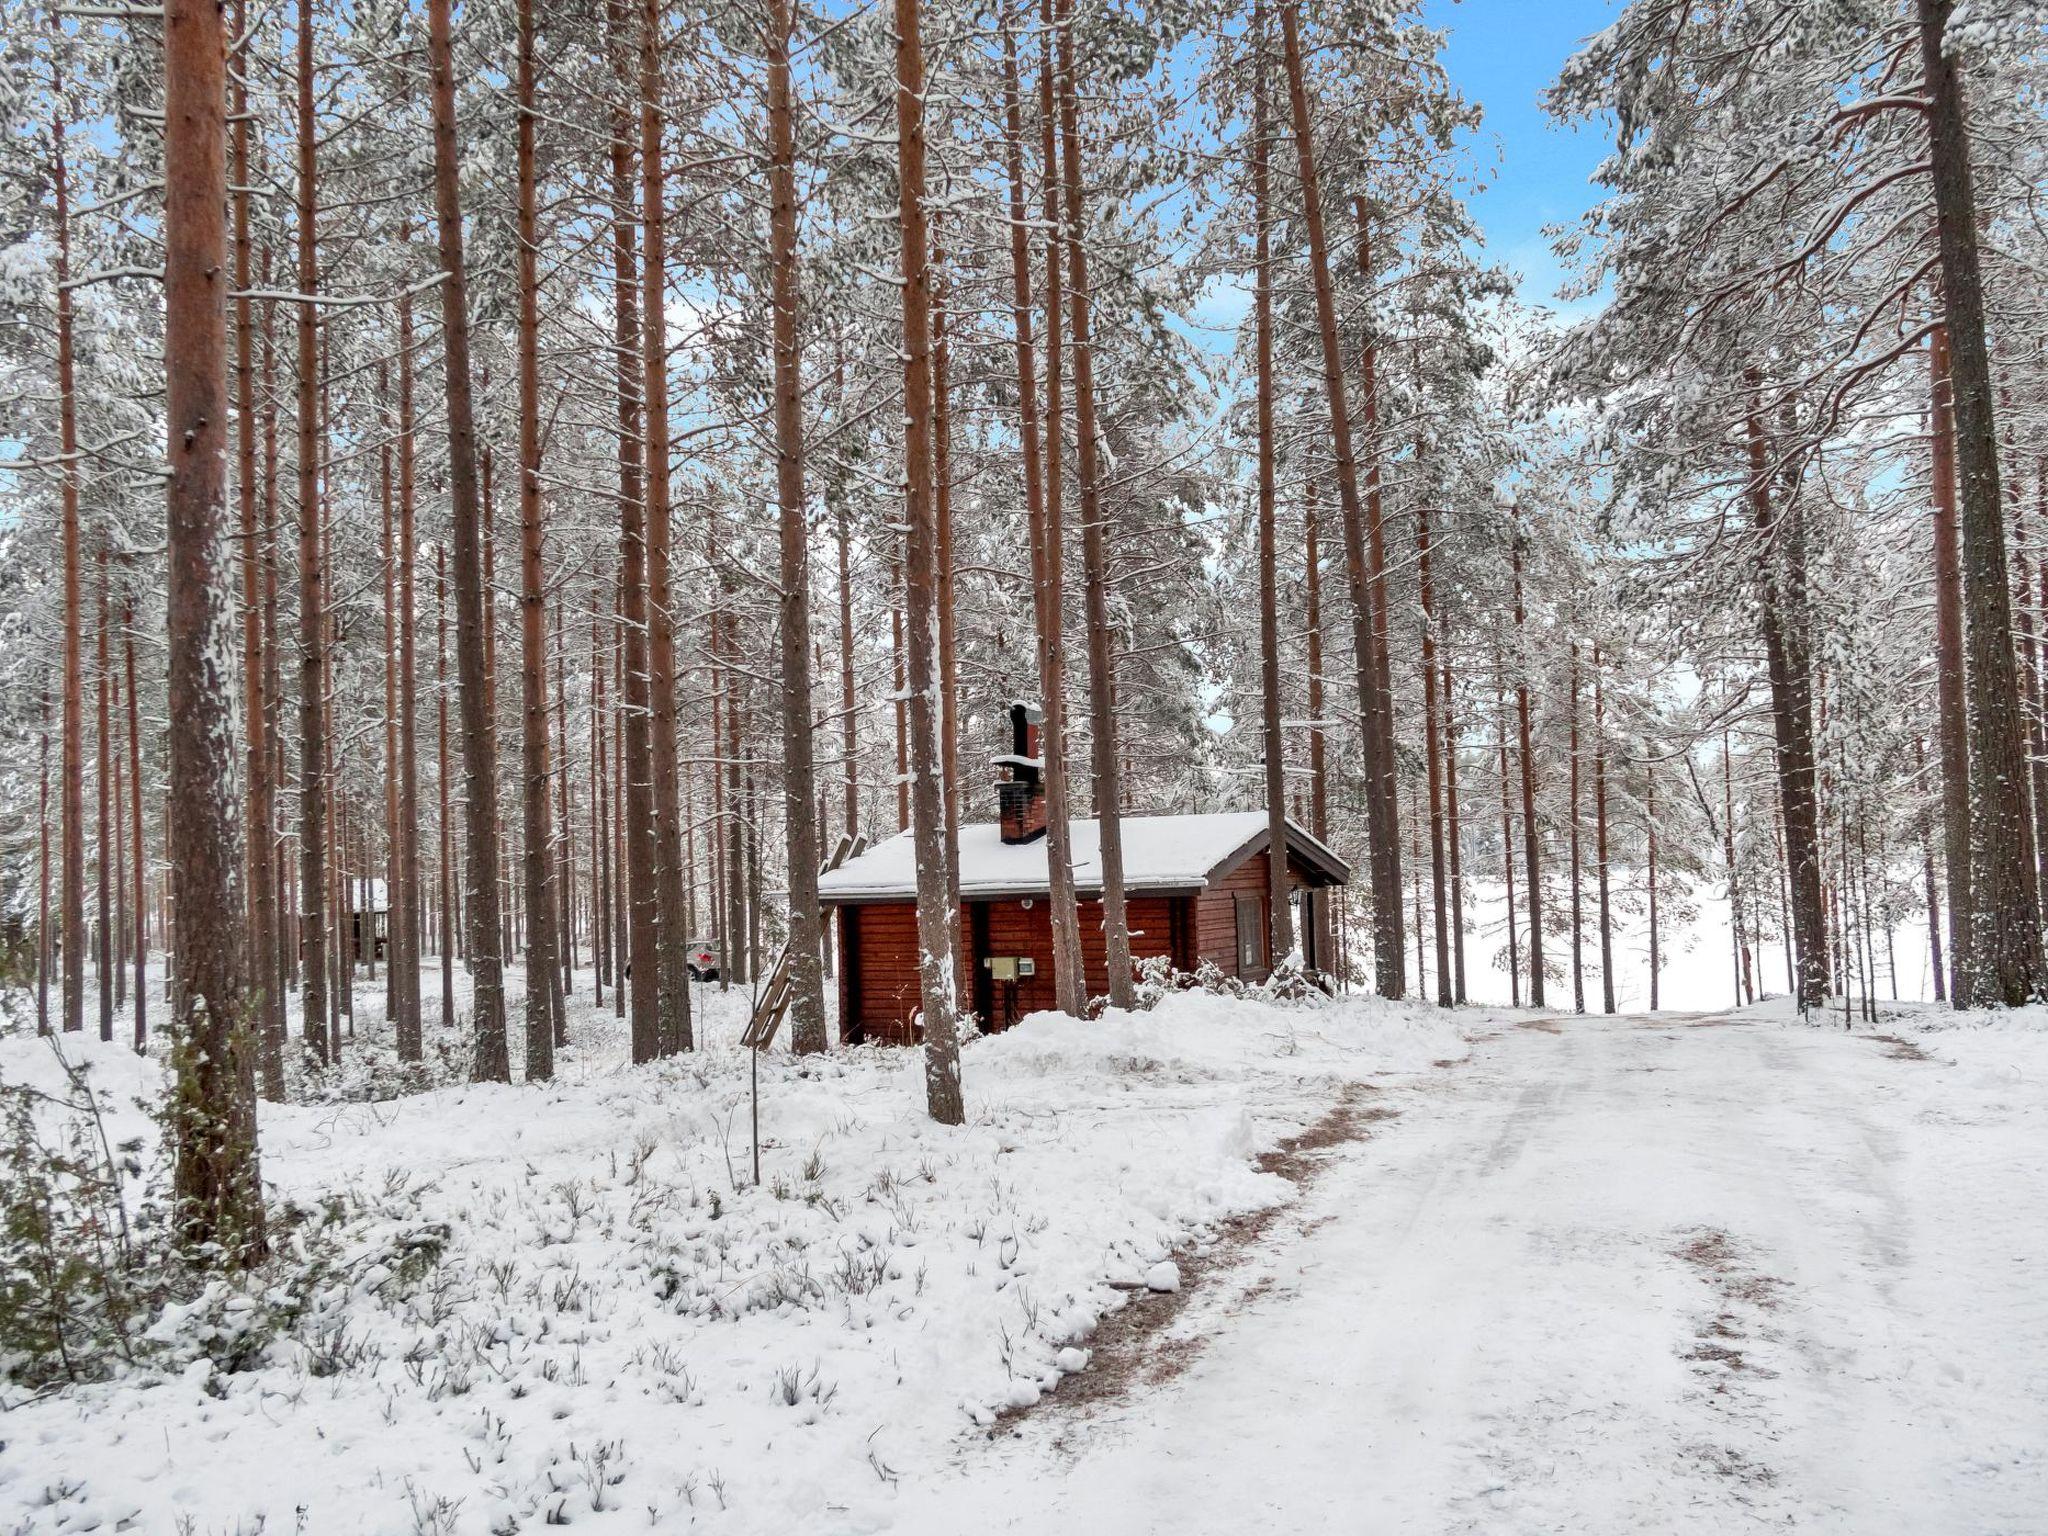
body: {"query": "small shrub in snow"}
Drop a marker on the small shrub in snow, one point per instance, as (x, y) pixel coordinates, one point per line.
(78, 1279)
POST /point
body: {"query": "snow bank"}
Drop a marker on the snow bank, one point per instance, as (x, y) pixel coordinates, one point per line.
(571, 1303)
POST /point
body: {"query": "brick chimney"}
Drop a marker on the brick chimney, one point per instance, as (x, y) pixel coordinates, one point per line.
(1020, 794)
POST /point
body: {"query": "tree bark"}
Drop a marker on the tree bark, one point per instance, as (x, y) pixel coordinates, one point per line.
(643, 961)
(480, 783)
(799, 770)
(1280, 928)
(138, 862)
(216, 1180)
(1527, 756)
(1781, 565)
(1600, 833)
(1389, 961)
(312, 915)
(542, 955)
(2005, 923)
(405, 901)
(263, 978)
(670, 938)
(1116, 934)
(71, 786)
(934, 920)
(1041, 452)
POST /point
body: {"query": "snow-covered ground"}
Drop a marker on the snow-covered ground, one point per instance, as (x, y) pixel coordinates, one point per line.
(1692, 1273)
(621, 1328)
(1698, 1272)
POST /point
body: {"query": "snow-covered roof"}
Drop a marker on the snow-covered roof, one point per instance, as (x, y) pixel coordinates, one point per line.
(1161, 853)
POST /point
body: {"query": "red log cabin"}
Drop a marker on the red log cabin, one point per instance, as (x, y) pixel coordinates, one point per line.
(1195, 892)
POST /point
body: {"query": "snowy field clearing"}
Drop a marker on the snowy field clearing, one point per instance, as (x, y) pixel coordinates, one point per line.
(1699, 1272)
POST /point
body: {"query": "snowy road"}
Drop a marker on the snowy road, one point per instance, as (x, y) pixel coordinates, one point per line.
(1688, 1274)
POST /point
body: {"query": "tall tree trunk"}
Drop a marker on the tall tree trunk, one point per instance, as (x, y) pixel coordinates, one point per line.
(1952, 724)
(2005, 925)
(949, 670)
(1280, 930)
(1454, 835)
(1318, 756)
(71, 785)
(1382, 807)
(405, 902)
(1433, 754)
(1527, 756)
(312, 915)
(849, 703)
(216, 1181)
(43, 877)
(1650, 828)
(441, 779)
(934, 920)
(643, 961)
(1116, 934)
(103, 784)
(670, 939)
(480, 782)
(1043, 500)
(1507, 834)
(1600, 833)
(139, 862)
(1782, 604)
(541, 953)
(799, 771)
(1578, 884)
(263, 976)
(1389, 961)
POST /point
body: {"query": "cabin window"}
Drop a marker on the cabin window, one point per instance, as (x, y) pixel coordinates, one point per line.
(1251, 937)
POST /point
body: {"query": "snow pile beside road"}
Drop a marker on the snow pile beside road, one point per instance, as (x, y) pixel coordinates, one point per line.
(570, 1302)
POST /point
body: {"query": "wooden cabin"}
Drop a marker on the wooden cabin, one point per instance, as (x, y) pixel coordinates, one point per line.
(1195, 892)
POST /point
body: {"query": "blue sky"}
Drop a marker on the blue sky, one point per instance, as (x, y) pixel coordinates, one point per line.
(1502, 54)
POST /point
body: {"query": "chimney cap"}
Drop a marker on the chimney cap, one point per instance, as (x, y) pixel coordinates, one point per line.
(1033, 715)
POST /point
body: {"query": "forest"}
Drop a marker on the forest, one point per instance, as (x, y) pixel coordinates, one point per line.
(500, 498)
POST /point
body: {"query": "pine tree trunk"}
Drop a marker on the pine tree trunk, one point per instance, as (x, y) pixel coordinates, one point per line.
(1781, 602)
(138, 862)
(1382, 788)
(1433, 753)
(103, 785)
(670, 939)
(642, 960)
(1507, 834)
(1578, 885)
(541, 954)
(405, 901)
(480, 783)
(313, 810)
(216, 1181)
(1600, 833)
(1108, 796)
(1390, 963)
(1042, 493)
(934, 920)
(1280, 929)
(43, 876)
(2005, 920)
(799, 770)
(1650, 827)
(263, 975)
(447, 915)
(71, 784)
(1527, 758)
(1454, 835)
